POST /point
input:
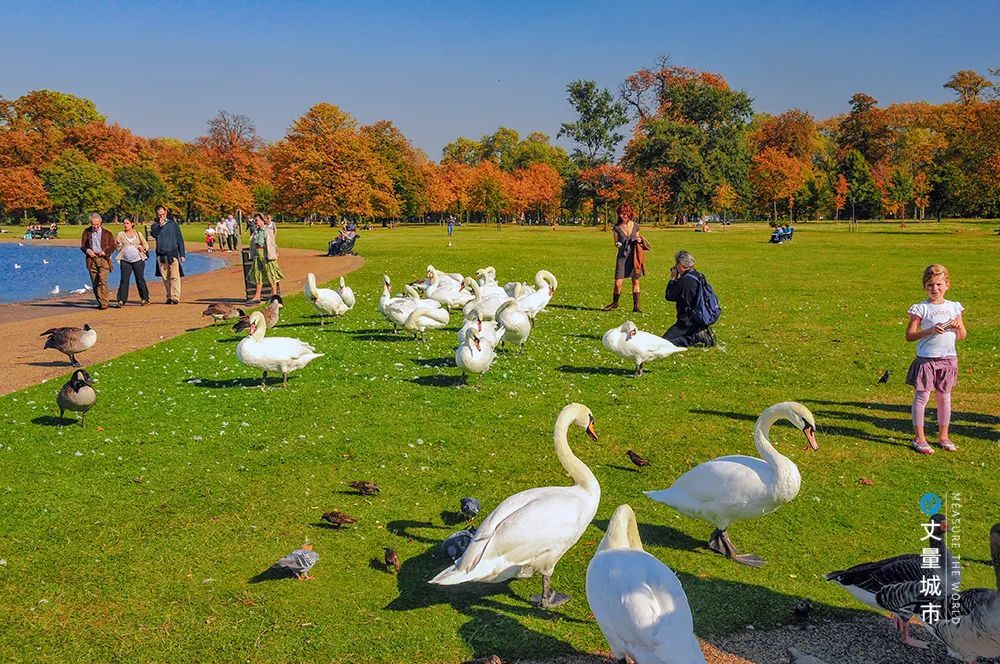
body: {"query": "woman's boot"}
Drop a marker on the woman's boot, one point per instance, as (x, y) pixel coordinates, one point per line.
(614, 301)
(635, 303)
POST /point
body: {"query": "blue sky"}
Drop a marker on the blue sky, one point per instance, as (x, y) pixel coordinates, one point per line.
(445, 69)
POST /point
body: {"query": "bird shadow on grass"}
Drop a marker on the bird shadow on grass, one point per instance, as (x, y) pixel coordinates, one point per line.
(823, 416)
(51, 363)
(665, 536)
(406, 528)
(573, 307)
(52, 421)
(451, 518)
(493, 626)
(229, 383)
(597, 371)
(272, 574)
(585, 336)
(438, 380)
(378, 565)
(622, 468)
(229, 340)
(957, 417)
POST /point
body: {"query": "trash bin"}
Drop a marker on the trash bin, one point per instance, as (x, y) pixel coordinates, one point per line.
(251, 287)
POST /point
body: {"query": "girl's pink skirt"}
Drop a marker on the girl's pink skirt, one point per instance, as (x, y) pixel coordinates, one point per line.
(937, 374)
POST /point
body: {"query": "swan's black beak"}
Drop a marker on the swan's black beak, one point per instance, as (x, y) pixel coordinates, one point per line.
(590, 429)
(810, 434)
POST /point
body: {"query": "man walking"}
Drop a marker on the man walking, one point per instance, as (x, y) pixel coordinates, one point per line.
(169, 253)
(697, 306)
(234, 231)
(98, 243)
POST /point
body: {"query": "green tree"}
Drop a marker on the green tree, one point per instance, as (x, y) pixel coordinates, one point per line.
(861, 185)
(596, 131)
(142, 189)
(77, 186)
(263, 197)
(464, 151)
(501, 147)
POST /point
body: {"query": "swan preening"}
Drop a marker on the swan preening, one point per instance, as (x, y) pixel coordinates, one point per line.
(641, 347)
(425, 318)
(530, 531)
(282, 354)
(736, 488)
(397, 309)
(329, 302)
(638, 601)
(474, 355)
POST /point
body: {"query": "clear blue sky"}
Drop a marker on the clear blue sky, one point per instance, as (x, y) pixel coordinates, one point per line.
(445, 69)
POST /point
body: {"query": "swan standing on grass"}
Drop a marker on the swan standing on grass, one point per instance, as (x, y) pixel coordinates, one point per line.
(490, 332)
(425, 318)
(530, 531)
(282, 354)
(448, 295)
(535, 302)
(327, 301)
(485, 305)
(399, 309)
(346, 294)
(629, 342)
(474, 355)
(736, 488)
(976, 632)
(638, 601)
(444, 278)
(516, 324)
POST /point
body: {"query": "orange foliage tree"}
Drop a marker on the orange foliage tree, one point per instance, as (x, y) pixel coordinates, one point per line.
(840, 191)
(606, 183)
(776, 176)
(21, 189)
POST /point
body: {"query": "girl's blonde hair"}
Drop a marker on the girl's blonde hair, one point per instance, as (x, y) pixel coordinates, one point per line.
(936, 270)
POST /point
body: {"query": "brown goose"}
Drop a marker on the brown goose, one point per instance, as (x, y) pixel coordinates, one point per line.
(270, 313)
(77, 395)
(223, 311)
(70, 341)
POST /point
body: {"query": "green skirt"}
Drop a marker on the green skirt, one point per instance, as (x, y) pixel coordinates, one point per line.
(265, 271)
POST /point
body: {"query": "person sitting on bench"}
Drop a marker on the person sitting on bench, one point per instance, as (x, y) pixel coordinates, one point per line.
(336, 246)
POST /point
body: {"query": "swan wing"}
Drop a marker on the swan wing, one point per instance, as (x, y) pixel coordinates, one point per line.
(653, 346)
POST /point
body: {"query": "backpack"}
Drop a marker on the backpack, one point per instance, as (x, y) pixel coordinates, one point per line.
(706, 310)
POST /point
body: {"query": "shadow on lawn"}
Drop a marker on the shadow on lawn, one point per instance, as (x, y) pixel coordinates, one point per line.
(236, 382)
(53, 421)
(573, 307)
(438, 380)
(972, 425)
(596, 371)
(493, 626)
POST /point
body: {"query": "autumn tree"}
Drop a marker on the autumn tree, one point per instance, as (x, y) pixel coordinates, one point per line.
(866, 129)
(33, 127)
(106, 145)
(487, 193)
(841, 188)
(21, 189)
(464, 151)
(861, 186)
(968, 85)
(793, 132)
(540, 189)
(233, 147)
(605, 183)
(401, 161)
(77, 186)
(776, 176)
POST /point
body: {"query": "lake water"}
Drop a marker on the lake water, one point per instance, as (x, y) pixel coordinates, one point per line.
(66, 268)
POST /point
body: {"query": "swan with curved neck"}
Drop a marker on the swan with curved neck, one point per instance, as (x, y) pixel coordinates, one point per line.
(448, 294)
(535, 302)
(736, 488)
(283, 354)
(638, 601)
(530, 531)
(516, 324)
(485, 305)
(327, 301)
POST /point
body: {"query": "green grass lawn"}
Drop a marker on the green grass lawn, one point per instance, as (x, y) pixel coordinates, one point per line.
(136, 537)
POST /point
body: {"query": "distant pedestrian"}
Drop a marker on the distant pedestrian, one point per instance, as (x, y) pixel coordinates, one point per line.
(264, 252)
(695, 301)
(234, 232)
(935, 324)
(451, 225)
(209, 238)
(630, 261)
(98, 243)
(222, 235)
(132, 254)
(170, 253)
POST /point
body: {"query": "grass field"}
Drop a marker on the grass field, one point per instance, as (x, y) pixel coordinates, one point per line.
(137, 537)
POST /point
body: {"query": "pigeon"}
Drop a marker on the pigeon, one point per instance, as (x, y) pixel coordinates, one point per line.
(338, 519)
(637, 459)
(470, 507)
(884, 378)
(299, 562)
(454, 545)
(365, 488)
(391, 560)
(802, 609)
(796, 656)
(54, 291)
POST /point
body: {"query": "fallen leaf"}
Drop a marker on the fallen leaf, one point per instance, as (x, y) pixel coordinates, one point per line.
(865, 481)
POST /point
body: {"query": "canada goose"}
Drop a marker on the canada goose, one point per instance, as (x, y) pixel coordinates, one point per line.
(223, 311)
(77, 395)
(70, 341)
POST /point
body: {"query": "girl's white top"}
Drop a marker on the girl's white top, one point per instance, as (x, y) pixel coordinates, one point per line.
(936, 345)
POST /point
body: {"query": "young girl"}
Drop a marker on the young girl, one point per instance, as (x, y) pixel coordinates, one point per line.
(209, 238)
(935, 324)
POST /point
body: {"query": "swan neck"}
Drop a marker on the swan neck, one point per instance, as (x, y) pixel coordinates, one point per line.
(577, 469)
(760, 436)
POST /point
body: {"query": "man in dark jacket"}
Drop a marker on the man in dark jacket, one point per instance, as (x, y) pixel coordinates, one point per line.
(684, 288)
(169, 253)
(98, 244)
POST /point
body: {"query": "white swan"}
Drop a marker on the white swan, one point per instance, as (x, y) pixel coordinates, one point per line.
(516, 324)
(487, 276)
(638, 601)
(444, 278)
(425, 318)
(534, 302)
(400, 309)
(485, 306)
(282, 354)
(346, 294)
(449, 295)
(530, 531)
(327, 301)
(640, 347)
(490, 331)
(736, 488)
(473, 355)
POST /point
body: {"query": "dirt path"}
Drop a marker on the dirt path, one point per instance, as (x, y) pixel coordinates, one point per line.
(121, 331)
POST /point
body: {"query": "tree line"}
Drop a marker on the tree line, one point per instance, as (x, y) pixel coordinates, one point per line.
(695, 147)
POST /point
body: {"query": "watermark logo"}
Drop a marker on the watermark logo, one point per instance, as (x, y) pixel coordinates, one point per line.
(930, 504)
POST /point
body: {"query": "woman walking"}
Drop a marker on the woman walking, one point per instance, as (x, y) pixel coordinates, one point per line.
(265, 257)
(132, 254)
(630, 262)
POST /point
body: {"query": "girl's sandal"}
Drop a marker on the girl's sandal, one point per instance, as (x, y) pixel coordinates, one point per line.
(923, 447)
(948, 446)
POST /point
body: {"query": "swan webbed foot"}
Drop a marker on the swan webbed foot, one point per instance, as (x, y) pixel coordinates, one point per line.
(549, 601)
(721, 544)
(638, 370)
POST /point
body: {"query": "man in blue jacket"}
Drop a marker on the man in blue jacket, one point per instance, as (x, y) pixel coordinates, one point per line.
(169, 253)
(684, 288)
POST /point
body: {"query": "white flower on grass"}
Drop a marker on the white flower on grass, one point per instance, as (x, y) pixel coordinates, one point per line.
(78, 453)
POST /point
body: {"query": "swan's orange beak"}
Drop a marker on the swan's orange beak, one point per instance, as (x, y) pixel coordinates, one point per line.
(590, 429)
(552, 291)
(253, 326)
(810, 434)
(478, 346)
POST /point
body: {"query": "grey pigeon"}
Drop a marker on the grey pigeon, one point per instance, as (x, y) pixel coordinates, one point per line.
(796, 656)
(885, 377)
(455, 544)
(470, 507)
(299, 562)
